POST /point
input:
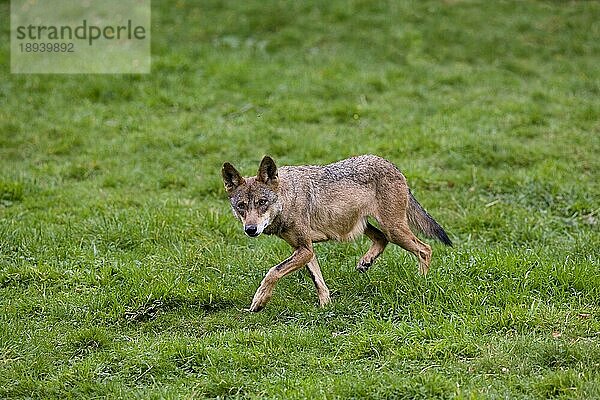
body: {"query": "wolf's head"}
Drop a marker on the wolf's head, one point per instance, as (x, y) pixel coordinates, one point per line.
(254, 200)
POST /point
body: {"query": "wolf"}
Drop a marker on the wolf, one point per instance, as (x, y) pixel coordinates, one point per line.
(311, 203)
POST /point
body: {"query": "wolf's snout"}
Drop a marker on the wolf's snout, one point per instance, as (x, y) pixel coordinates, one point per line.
(251, 230)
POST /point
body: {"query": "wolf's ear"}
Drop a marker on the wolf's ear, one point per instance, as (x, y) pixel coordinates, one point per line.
(231, 177)
(267, 172)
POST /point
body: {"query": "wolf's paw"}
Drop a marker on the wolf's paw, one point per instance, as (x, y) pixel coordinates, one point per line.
(255, 307)
(261, 297)
(324, 299)
(363, 266)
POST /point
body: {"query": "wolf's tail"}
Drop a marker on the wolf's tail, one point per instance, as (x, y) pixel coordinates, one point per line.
(420, 220)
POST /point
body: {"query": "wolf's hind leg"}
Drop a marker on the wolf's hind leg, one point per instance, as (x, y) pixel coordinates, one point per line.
(317, 277)
(403, 237)
(379, 243)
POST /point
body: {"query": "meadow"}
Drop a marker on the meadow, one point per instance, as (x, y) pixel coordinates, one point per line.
(123, 273)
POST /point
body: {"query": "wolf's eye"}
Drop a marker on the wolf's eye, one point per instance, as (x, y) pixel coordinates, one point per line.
(241, 206)
(262, 202)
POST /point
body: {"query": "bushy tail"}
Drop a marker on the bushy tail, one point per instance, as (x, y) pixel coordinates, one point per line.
(420, 220)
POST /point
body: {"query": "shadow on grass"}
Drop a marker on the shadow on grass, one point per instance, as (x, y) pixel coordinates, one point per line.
(151, 308)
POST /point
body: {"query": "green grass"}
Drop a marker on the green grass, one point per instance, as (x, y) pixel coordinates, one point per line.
(123, 274)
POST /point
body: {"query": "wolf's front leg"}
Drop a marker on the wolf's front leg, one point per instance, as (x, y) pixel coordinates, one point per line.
(317, 277)
(301, 256)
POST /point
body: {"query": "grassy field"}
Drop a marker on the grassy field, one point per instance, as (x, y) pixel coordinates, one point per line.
(123, 273)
